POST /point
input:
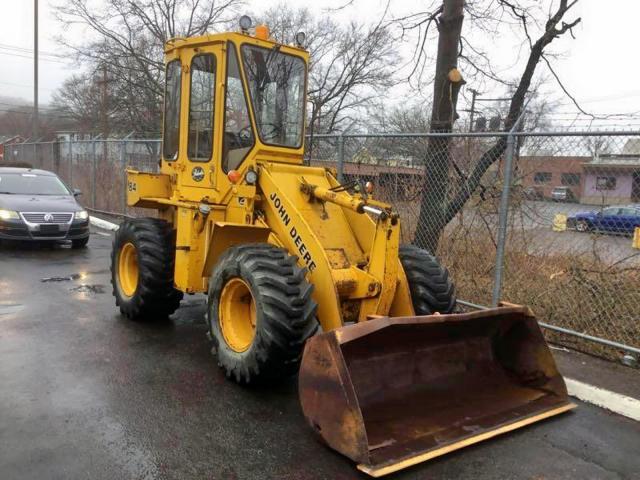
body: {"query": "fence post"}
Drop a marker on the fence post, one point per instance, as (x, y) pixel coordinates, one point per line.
(70, 162)
(94, 166)
(123, 146)
(341, 158)
(502, 221)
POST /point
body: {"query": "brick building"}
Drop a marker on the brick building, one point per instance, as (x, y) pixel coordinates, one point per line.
(541, 174)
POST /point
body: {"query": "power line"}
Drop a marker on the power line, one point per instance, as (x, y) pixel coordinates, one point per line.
(5, 46)
(31, 57)
(23, 85)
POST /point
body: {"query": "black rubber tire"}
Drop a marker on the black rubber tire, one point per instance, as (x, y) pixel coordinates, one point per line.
(285, 313)
(79, 243)
(429, 282)
(155, 296)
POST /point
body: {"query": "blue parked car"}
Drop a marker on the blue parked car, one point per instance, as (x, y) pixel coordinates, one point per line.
(616, 219)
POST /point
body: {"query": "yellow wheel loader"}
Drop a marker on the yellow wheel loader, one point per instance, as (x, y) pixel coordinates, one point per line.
(304, 274)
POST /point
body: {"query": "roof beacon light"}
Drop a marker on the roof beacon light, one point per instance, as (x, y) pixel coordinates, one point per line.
(262, 32)
(245, 23)
(300, 38)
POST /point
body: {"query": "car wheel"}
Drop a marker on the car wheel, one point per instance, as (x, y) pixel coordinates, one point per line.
(582, 226)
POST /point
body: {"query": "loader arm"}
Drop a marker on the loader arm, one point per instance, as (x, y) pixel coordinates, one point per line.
(352, 272)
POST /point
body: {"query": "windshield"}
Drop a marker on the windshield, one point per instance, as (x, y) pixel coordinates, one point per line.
(276, 86)
(31, 184)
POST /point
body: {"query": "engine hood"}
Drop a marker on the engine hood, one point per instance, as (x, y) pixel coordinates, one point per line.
(39, 203)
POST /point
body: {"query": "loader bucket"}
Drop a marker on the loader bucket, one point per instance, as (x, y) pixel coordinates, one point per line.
(393, 392)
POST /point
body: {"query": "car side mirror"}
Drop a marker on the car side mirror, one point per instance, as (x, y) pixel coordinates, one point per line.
(77, 192)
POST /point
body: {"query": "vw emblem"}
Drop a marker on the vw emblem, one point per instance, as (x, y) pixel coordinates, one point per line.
(48, 217)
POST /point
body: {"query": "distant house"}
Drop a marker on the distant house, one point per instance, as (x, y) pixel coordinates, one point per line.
(541, 174)
(7, 140)
(613, 177)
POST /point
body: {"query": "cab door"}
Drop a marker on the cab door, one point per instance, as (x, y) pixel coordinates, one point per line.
(202, 71)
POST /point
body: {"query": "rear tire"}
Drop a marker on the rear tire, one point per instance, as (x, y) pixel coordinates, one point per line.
(276, 296)
(429, 282)
(145, 288)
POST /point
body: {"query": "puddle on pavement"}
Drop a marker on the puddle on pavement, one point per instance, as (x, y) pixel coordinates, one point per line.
(7, 308)
(68, 278)
(92, 289)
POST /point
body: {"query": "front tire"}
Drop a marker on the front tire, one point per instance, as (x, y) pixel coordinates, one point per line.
(142, 265)
(430, 284)
(260, 313)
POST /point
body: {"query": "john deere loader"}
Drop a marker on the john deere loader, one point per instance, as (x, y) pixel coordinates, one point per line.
(305, 274)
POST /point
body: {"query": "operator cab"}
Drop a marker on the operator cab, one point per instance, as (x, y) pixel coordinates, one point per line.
(231, 99)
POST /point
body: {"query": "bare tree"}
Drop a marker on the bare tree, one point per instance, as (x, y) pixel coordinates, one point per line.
(597, 145)
(80, 99)
(351, 65)
(440, 202)
(125, 39)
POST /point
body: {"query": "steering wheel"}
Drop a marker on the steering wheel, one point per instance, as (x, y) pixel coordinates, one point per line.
(244, 135)
(270, 134)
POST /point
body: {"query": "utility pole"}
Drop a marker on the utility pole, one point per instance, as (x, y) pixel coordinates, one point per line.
(34, 132)
(103, 103)
(473, 108)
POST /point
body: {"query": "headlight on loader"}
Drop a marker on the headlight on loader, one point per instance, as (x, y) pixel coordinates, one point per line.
(82, 215)
(8, 215)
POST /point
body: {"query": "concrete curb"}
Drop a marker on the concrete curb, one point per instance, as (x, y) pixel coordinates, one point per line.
(105, 225)
(614, 402)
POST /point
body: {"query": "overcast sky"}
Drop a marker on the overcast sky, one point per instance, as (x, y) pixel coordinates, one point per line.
(599, 67)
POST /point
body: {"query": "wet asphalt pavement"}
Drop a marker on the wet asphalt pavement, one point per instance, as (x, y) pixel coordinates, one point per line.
(86, 394)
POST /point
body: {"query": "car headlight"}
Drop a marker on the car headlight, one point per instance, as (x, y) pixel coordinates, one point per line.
(82, 215)
(9, 215)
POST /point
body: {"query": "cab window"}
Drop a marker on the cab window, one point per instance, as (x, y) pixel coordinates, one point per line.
(238, 134)
(201, 105)
(171, 134)
(276, 86)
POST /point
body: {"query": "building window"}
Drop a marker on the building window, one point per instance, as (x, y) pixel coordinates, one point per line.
(570, 179)
(542, 177)
(605, 183)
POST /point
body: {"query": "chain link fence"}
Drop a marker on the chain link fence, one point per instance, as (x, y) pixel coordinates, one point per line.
(542, 219)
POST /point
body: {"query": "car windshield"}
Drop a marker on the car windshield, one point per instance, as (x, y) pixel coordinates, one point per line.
(276, 86)
(31, 184)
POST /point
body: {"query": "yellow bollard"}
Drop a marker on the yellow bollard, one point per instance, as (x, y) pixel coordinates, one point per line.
(636, 238)
(559, 222)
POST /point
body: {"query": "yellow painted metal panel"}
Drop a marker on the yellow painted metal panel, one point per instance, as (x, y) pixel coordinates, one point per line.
(284, 216)
(224, 235)
(143, 184)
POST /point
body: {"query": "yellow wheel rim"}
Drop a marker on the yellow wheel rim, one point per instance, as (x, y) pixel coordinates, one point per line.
(128, 269)
(237, 315)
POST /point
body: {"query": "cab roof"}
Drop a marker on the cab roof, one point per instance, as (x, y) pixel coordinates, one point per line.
(237, 37)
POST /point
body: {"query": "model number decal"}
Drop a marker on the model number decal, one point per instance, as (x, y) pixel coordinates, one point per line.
(293, 232)
(132, 186)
